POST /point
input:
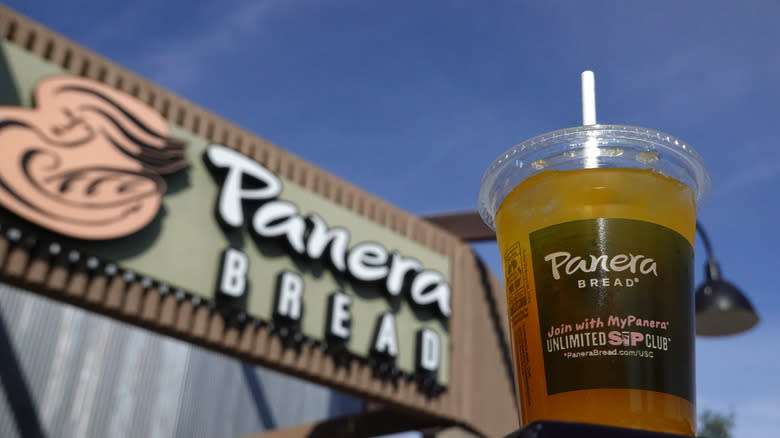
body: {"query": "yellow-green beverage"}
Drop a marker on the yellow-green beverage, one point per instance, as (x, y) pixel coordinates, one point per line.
(596, 227)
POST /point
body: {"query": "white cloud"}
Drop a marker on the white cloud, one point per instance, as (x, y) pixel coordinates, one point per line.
(179, 63)
(758, 418)
(755, 418)
(761, 172)
(739, 374)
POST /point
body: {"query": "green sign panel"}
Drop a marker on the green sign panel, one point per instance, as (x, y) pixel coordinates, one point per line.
(615, 306)
(230, 231)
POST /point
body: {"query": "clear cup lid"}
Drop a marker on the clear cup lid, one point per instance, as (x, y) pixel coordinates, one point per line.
(592, 146)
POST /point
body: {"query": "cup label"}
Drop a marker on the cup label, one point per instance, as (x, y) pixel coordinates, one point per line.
(615, 306)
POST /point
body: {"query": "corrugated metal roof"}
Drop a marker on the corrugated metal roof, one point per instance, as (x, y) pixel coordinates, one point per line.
(91, 376)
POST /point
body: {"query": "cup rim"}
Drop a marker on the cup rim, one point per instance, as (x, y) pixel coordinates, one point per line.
(687, 163)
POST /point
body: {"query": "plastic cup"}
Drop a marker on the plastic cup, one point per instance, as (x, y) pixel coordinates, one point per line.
(596, 226)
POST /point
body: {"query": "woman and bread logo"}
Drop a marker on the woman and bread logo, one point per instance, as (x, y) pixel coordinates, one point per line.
(87, 161)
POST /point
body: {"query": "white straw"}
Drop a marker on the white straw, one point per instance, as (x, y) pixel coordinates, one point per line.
(588, 98)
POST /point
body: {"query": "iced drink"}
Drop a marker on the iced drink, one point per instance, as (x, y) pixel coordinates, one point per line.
(596, 227)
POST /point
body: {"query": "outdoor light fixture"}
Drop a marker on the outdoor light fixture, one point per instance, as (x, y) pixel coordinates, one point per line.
(721, 308)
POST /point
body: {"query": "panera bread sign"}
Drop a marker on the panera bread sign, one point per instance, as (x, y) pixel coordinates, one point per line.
(310, 237)
(87, 161)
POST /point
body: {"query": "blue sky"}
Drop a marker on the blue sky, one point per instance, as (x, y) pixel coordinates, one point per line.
(412, 100)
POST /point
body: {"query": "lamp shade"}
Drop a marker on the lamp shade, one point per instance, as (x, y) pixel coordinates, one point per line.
(722, 309)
